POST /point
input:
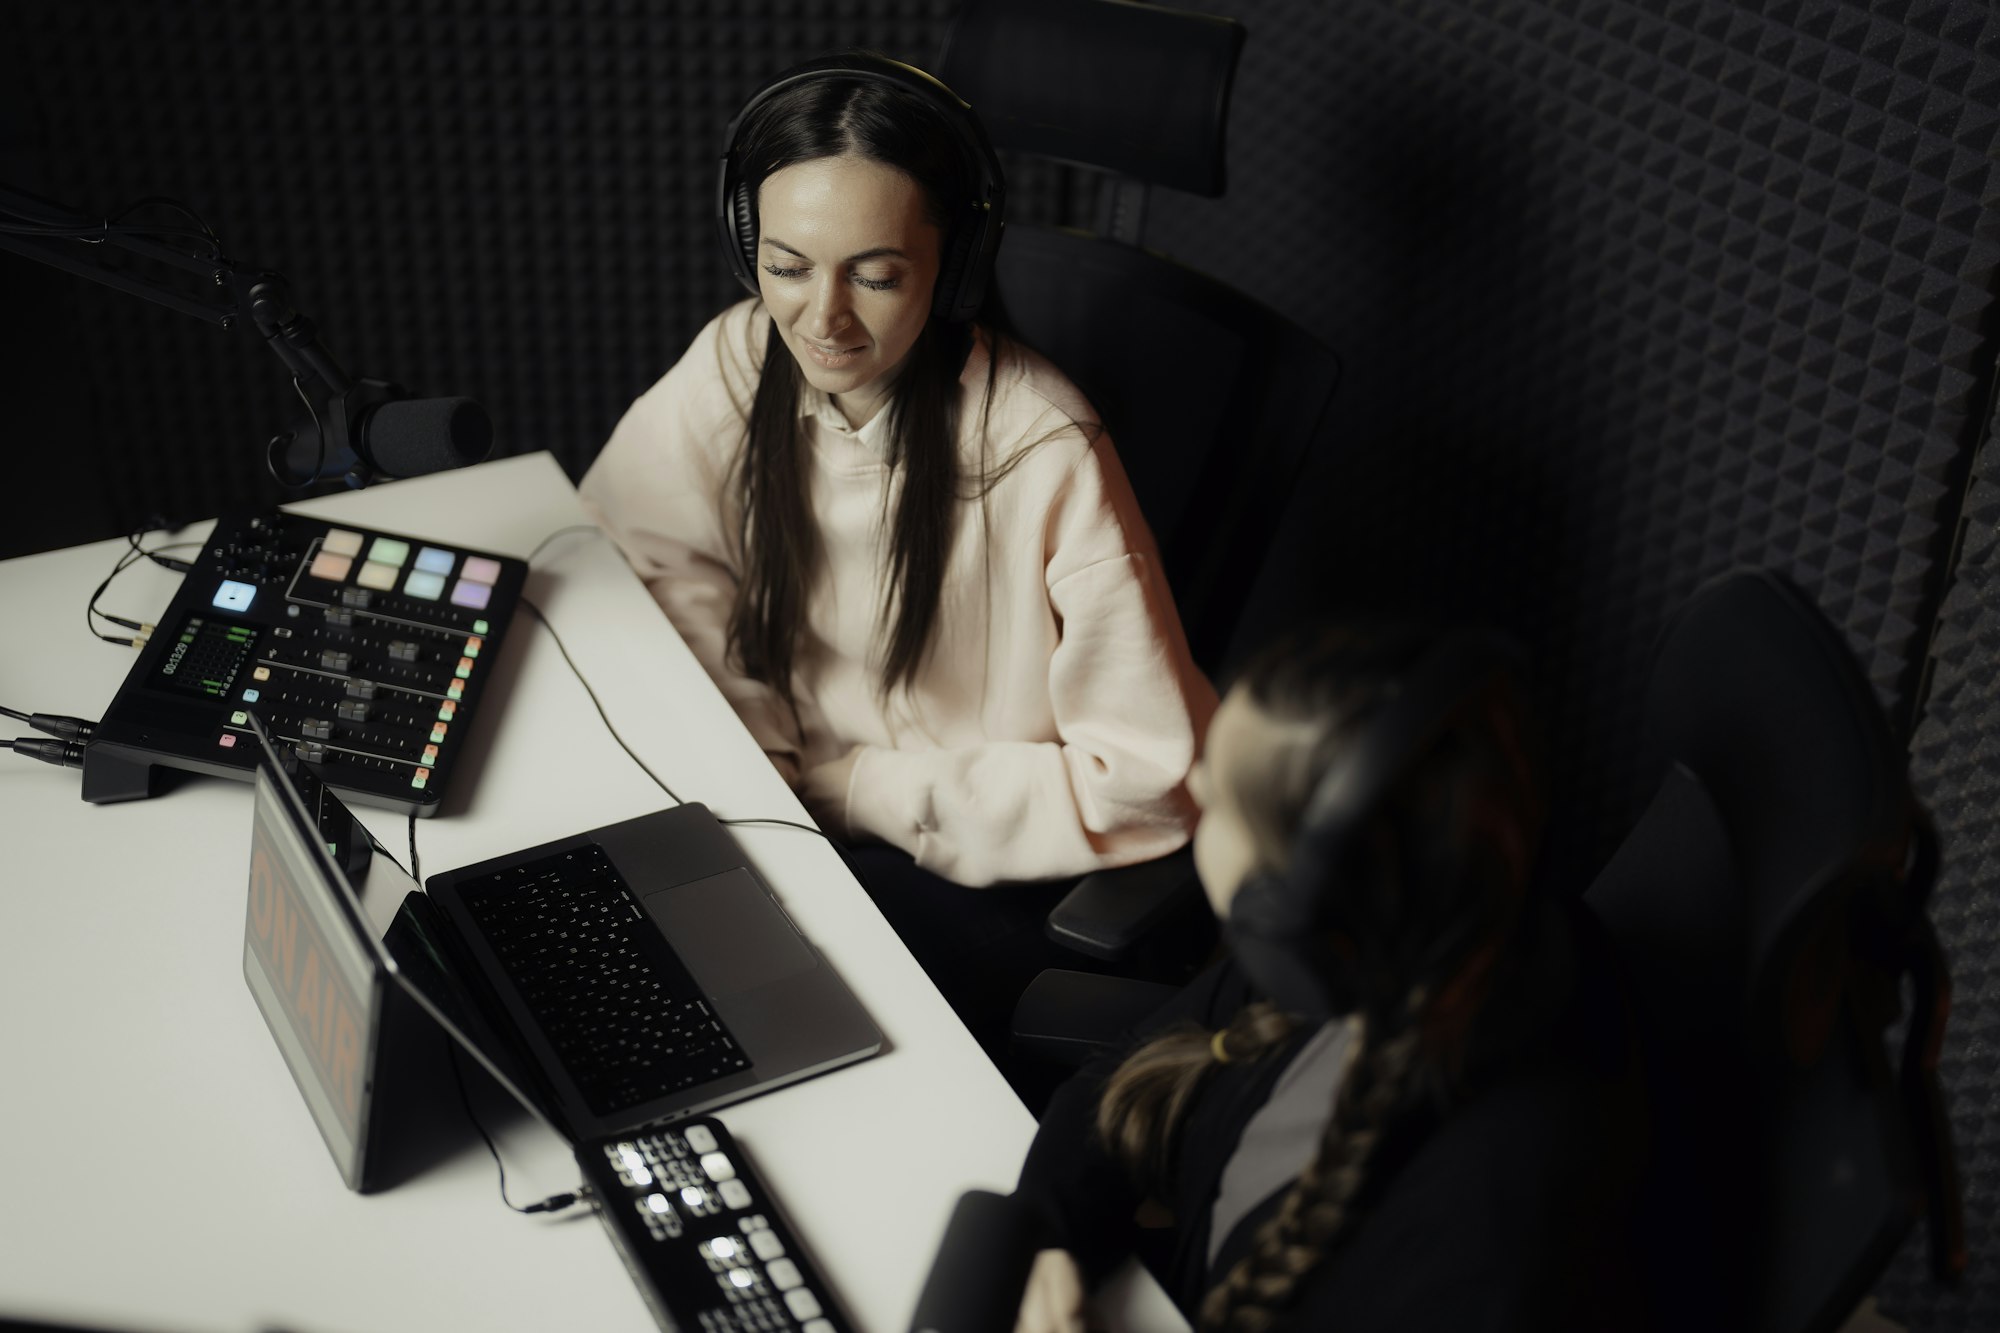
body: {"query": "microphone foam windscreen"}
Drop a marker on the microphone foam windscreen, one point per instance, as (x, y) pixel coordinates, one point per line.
(421, 435)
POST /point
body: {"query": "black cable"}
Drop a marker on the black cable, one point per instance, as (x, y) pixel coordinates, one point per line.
(163, 561)
(787, 823)
(125, 561)
(555, 1202)
(598, 704)
(55, 724)
(782, 823)
(465, 1100)
(64, 754)
(215, 242)
(98, 235)
(65, 728)
(97, 232)
(278, 442)
(561, 532)
(416, 870)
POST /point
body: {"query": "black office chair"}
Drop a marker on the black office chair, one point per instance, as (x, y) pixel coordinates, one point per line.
(1767, 906)
(1140, 94)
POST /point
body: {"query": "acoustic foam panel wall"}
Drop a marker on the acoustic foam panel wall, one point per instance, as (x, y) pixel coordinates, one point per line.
(1629, 292)
(1632, 293)
(1956, 761)
(510, 201)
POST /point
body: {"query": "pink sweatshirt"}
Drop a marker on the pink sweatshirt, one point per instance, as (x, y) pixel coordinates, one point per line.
(1050, 729)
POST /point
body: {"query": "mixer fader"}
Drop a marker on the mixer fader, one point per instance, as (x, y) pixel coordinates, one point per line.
(364, 651)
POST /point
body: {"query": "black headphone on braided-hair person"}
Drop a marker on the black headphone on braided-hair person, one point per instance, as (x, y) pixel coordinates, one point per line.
(1337, 930)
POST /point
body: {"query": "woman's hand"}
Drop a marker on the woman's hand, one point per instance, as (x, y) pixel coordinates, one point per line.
(1052, 1302)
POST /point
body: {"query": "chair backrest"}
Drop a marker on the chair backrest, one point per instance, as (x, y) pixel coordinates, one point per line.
(1137, 91)
(1767, 905)
(1211, 398)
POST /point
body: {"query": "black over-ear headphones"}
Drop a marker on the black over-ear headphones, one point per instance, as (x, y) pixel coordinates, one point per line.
(1293, 933)
(973, 236)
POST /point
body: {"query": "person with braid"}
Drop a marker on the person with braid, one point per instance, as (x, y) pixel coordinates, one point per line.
(1407, 1100)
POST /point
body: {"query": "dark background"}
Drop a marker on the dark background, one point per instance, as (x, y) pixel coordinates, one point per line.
(1628, 294)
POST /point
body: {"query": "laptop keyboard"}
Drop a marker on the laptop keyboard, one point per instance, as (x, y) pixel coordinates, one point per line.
(625, 1018)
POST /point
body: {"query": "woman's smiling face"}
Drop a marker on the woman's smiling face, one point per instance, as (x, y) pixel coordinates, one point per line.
(847, 256)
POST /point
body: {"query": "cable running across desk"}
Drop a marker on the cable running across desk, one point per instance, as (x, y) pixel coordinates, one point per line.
(597, 703)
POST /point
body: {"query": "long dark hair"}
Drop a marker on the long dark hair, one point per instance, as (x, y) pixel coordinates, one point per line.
(1456, 840)
(821, 118)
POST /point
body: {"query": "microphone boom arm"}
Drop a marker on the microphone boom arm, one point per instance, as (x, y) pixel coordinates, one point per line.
(62, 238)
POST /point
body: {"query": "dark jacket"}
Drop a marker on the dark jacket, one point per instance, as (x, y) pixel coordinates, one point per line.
(1503, 1208)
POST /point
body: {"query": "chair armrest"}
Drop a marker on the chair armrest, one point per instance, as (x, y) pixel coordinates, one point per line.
(1110, 911)
(1068, 1017)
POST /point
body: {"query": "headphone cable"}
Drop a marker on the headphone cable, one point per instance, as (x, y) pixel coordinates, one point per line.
(597, 703)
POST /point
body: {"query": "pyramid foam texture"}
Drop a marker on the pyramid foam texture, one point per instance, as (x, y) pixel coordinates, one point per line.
(512, 201)
(1630, 294)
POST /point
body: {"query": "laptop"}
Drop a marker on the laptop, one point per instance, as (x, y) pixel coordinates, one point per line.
(634, 975)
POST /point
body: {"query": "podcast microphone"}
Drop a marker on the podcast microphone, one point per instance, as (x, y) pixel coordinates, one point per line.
(981, 1269)
(370, 428)
(391, 437)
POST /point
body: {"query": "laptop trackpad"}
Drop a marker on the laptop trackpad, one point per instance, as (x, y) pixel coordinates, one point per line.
(730, 932)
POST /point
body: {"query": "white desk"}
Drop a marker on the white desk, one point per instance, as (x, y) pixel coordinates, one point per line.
(158, 1167)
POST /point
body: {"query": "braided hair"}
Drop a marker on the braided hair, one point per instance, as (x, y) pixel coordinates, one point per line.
(1454, 845)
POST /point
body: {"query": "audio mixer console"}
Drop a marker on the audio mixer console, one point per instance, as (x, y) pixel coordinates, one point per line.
(366, 652)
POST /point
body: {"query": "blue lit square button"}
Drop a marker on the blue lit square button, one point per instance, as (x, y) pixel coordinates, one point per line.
(432, 560)
(234, 596)
(423, 584)
(251, 696)
(389, 551)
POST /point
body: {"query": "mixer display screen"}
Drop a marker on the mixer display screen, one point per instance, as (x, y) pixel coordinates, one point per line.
(207, 656)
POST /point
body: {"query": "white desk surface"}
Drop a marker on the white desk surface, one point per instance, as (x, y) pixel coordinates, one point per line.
(158, 1166)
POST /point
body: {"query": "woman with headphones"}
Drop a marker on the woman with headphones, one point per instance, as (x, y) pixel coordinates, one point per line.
(1406, 1100)
(896, 538)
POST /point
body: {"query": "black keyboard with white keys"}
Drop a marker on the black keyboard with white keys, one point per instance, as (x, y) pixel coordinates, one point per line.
(621, 1011)
(701, 1235)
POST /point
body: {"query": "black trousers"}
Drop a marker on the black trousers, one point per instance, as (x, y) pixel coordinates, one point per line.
(980, 947)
